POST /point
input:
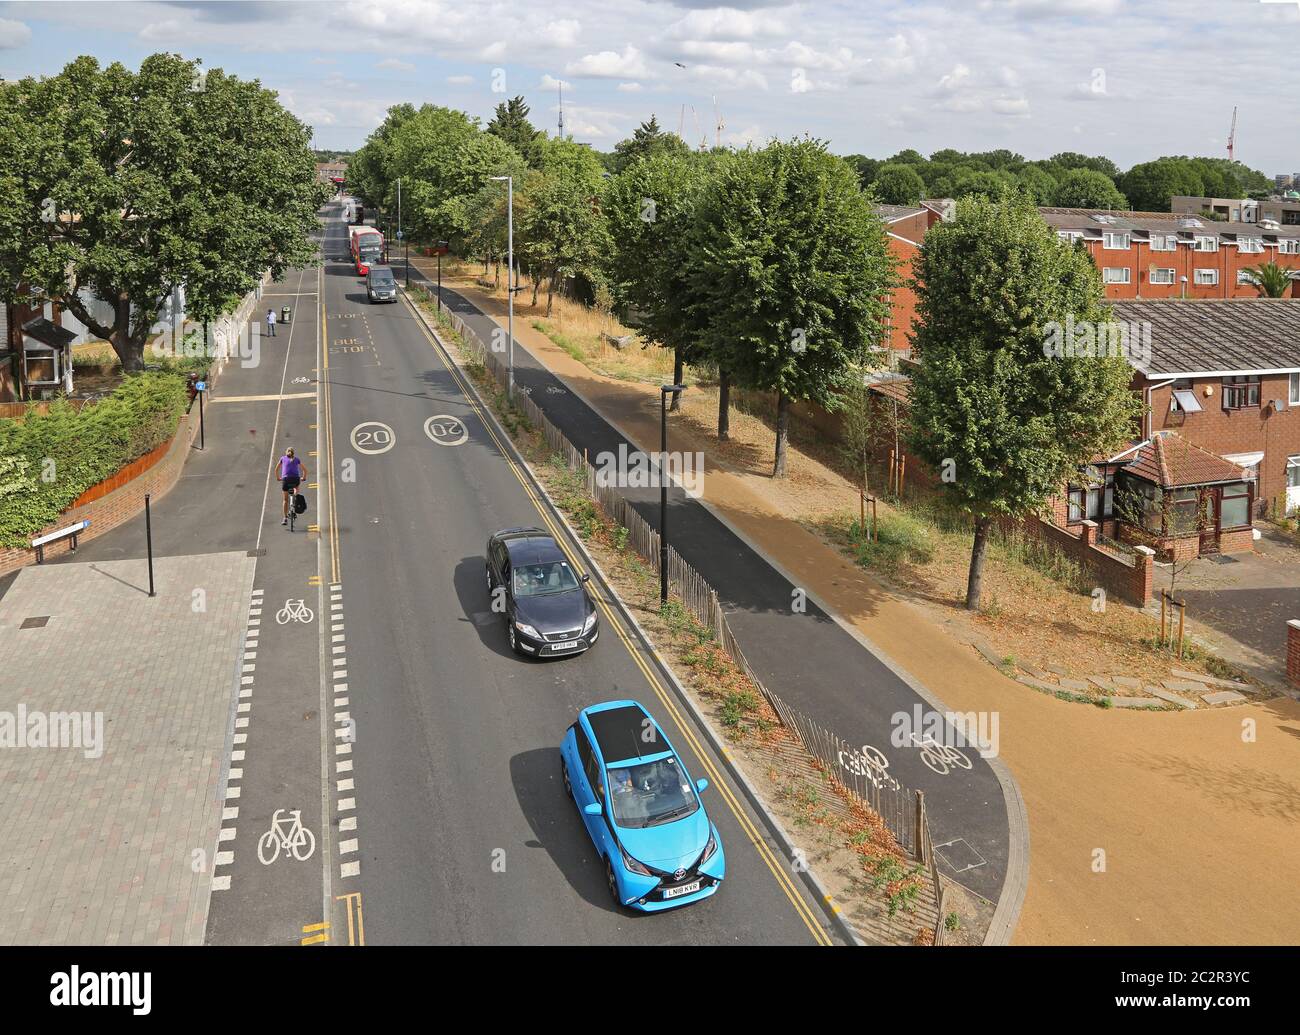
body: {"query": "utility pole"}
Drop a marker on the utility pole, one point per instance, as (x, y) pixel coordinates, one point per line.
(510, 281)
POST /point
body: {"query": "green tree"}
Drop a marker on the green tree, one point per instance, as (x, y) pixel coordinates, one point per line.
(899, 185)
(1270, 279)
(646, 140)
(650, 207)
(510, 123)
(1066, 160)
(1038, 183)
(561, 230)
(1150, 185)
(1004, 417)
(127, 185)
(793, 272)
(1087, 188)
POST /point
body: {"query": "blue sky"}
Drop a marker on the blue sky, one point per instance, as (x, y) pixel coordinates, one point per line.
(1132, 79)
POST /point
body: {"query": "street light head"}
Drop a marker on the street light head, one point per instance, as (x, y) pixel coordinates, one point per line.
(501, 179)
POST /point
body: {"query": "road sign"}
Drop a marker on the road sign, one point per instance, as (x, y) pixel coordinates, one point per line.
(200, 386)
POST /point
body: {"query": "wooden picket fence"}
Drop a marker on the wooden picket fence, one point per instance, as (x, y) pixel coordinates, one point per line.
(902, 810)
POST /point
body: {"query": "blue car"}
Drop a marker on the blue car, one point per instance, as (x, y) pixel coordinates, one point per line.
(641, 809)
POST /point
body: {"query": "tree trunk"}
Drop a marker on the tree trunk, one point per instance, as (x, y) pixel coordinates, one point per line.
(678, 372)
(537, 286)
(128, 352)
(550, 296)
(497, 282)
(975, 580)
(724, 405)
(782, 433)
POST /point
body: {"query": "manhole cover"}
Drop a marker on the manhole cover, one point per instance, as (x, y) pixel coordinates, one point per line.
(960, 856)
(38, 622)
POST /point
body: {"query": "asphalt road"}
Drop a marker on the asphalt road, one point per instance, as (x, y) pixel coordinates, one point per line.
(465, 834)
(807, 658)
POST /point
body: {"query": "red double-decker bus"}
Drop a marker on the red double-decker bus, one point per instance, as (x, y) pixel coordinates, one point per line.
(367, 247)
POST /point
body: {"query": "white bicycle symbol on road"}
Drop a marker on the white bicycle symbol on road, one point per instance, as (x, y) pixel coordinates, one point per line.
(940, 758)
(296, 611)
(297, 840)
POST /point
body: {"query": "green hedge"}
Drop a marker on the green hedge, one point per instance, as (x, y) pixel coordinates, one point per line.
(48, 460)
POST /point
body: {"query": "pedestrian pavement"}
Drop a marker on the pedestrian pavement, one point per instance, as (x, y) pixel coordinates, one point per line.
(114, 843)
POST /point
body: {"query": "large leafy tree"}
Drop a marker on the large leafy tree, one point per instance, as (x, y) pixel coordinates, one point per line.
(1087, 188)
(1002, 414)
(650, 209)
(127, 185)
(561, 232)
(898, 184)
(792, 274)
(1149, 186)
(646, 140)
(510, 123)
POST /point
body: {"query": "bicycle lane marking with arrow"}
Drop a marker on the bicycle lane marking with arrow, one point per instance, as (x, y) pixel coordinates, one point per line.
(273, 875)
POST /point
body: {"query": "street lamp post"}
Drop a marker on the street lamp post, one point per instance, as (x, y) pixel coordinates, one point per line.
(664, 392)
(406, 244)
(510, 280)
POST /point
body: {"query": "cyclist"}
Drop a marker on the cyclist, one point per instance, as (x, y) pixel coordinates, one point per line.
(291, 471)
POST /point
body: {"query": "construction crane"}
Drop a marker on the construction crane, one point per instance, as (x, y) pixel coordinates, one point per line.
(717, 124)
(1232, 133)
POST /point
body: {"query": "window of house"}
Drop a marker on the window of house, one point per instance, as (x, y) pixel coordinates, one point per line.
(1206, 243)
(1245, 277)
(1206, 278)
(1070, 236)
(1115, 239)
(1095, 502)
(1164, 242)
(1234, 508)
(1162, 276)
(1115, 275)
(1250, 245)
(1293, 472)
(1289, 246)
(1295, 389)
(1182, 396)
(1240, 393)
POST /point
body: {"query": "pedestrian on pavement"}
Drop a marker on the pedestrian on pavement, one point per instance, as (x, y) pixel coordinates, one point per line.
(291, 471)
(270, 323)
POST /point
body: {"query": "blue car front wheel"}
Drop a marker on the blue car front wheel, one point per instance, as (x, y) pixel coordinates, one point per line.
(612, 882)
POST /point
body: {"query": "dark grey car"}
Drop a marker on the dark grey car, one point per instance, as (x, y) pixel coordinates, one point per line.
(547, 608)
(381, 285)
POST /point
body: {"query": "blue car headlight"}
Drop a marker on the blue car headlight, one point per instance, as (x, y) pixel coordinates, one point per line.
(591, 620)
(711, 848)
(632, 864)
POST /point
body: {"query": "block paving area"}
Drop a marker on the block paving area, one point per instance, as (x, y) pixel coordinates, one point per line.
(118, 849)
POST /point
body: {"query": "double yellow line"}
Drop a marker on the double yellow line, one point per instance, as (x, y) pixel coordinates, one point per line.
(326, 413)
(755, 836)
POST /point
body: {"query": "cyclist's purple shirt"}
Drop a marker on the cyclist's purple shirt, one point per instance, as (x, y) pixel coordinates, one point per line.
(290, 467)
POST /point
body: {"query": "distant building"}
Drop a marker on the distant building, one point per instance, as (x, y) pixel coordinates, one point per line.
(1284, 210)
(328, 172)
(1171, 255)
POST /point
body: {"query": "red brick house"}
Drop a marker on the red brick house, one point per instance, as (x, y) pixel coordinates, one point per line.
(1174, 255)
(907, 226)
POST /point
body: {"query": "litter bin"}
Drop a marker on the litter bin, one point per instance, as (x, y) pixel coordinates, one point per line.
(285, 313)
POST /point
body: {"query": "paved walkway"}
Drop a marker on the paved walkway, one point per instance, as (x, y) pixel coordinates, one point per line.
(117, 848)
(1198, 824)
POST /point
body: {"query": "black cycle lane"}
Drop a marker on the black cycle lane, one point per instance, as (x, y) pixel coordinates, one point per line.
(808, 658)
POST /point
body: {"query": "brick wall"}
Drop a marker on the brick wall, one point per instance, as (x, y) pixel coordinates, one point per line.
(108, 511)
(1293, 652)
(1185, 261)
(1131, 582)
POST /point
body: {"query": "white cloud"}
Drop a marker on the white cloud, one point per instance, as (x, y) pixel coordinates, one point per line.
(1017, 107)
(609, 64)
(550, 84)
(1057, 8)
(460, 80)
(561, 33)
(957, 79)
(395, 65)
(13, 34)
(493, 51)
(629, 87)
(725, 23)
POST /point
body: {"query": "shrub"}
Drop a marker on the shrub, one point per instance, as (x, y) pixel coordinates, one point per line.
(52, 458)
